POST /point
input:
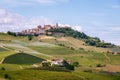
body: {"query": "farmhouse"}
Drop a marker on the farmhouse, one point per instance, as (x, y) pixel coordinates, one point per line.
(57, 61)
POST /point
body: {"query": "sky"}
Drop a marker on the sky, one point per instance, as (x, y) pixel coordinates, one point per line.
(96, 18)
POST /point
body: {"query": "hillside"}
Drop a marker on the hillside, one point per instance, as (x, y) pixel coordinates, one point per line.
(14, 64)
(71, 42)
(91, 41)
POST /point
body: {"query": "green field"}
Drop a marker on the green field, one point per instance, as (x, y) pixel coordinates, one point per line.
(22, 58)
(54, 50)
(39, 75)
(16, 63)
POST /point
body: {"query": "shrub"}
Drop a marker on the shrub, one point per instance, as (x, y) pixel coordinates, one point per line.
(100, 65)
(72, 48)
(3, 68)
(6, 76)
(30, 37)
(67, 65)
(81, 49)
(70, 67)
(81, 56)
(88, 70)
(46, 64)
(76, 64)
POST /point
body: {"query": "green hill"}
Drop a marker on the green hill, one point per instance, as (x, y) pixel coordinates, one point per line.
(71, 42)
(50, 47)
(92, 41)
(22, 58)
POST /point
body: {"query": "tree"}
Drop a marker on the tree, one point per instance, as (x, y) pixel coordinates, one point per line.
(11, 33)
(46, 64)
(76, 64)
(3, 68)
(67, 65)
(70, 67)
(30, 37)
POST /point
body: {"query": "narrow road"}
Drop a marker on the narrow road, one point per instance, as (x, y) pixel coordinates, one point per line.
(20, 67)
(35, 65)
(25, 49)
(107, 57)
(2, 60)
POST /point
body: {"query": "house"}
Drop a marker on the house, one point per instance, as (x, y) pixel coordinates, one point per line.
(57, 61)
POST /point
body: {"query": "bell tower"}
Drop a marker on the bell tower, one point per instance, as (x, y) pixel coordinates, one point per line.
(56, 25)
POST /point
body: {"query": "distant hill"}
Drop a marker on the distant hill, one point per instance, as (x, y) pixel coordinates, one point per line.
(69, 42)
(92, 41)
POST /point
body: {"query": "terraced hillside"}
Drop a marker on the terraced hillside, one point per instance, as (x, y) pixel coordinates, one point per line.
(71, 42)
(48, 48)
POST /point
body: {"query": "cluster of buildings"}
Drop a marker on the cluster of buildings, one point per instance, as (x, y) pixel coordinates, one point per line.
(39, 30)
(57, 61)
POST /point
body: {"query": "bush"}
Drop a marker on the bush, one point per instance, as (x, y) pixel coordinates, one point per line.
(81, 56)
(70, 67)
(67, 65)
(51, 68)
(30, 37)
(11, 33)
(76, 64)
(6, 76)
(61, 45)
(100, 65)
(72, 48)
(46, 64)
(88, 70)
(82, 49)
(3, 68)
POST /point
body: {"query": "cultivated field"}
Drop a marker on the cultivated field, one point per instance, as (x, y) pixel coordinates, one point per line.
(47, 48)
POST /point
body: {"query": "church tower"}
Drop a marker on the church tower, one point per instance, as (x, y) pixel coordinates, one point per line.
(56, 25)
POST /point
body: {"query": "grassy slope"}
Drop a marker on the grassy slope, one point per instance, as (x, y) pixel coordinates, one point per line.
(97, 76)
(5, 54)
(39, 75)
(85, 58)
(2, 49)
(72, 42)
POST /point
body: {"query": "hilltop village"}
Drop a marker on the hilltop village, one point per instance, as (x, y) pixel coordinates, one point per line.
(39, 30)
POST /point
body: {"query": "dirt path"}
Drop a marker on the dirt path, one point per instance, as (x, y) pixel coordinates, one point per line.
(2, 60)
(20, 67)
(25, 49)
(35, 65)
(107, 57)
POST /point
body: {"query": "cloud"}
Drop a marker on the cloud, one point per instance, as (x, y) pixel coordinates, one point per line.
(33, 22)
(50, 1)
(78, 28)
(32, 2)
(10, 21)
(99, 14)
(115, 28)
(16, 22)
(115, 6)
